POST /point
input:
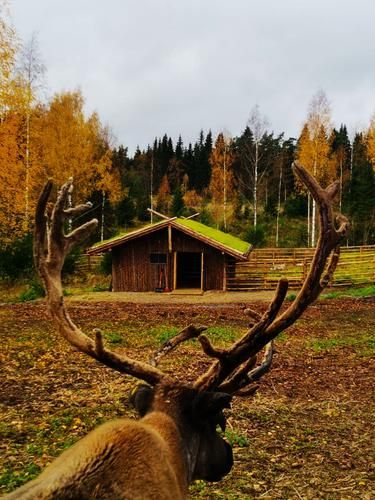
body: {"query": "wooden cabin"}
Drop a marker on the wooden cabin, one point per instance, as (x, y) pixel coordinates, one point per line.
(172, 254)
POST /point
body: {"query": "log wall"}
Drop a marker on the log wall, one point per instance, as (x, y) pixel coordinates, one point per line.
(132, 270)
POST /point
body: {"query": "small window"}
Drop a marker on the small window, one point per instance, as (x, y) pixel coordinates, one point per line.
(158, 258)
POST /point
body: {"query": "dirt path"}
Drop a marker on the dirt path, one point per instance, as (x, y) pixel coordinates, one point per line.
(211, 297)
(308, 433)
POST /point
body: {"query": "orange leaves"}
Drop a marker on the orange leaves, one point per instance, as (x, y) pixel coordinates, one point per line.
(164, 197)
(11, 176)
(75, 146)
(59, 142)
(313, 145)
(221, 186)
(370, 141)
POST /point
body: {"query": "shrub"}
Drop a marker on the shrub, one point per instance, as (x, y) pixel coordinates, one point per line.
(16, 259)
(71, 260)
(296, 206)
(34, 291)
(256, 236)
(105, 266)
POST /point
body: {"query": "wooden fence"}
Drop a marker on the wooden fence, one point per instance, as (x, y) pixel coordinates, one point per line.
(266, 266)
(88, 263)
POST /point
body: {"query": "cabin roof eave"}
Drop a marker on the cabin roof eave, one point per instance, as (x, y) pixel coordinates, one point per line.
(173, 222)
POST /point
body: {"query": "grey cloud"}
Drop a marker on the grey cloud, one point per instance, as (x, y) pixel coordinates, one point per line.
(150, 67)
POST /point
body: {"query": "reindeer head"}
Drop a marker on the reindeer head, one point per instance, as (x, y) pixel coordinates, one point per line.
(198, 416)
(196, 409)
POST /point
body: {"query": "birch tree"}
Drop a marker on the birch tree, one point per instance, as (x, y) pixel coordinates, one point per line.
(253, 161)
(221, 185)
(370, 142)
(11, 204)
(31, 72)
(313, 148)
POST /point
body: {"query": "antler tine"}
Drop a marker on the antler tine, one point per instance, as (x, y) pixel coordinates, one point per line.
(244, 348)
(227, 372)
(248, 374)
(190, 332)
(50, 248)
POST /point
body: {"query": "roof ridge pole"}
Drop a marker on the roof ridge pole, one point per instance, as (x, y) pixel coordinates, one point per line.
(162, 216)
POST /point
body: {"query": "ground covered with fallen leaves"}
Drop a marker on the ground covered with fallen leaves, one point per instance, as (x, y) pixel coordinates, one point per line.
(308, 433)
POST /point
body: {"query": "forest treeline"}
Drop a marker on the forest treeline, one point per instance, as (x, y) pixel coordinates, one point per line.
(244, 184)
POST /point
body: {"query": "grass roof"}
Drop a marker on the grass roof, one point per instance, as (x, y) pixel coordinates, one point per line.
(214, 234)
(125, 233)
(225, 239)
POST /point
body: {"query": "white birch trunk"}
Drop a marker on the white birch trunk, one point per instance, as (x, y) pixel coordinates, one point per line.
(152, 188)
(313, 217)
(256, 185)
(225, 188)
(278, 207)
(27, 171)
(308, 219)
(102, 221)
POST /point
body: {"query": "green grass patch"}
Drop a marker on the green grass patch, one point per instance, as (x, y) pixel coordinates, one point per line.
(98, 288)
(361, 292)
(363, 343)
(291, 296)
(114, 338)
(366, 291)
(33, 291)
(236, 439)
(331, 295)
(163, 333)
(12, 479)
(223, 333)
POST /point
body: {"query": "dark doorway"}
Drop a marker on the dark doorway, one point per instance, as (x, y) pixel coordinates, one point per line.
(189, 266)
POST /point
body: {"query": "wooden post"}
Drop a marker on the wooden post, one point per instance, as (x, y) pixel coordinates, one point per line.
(224, 273)
(169, 238)
(174, 270)
(202, 271)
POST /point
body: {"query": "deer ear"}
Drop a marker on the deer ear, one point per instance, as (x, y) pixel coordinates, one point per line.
(208, 404)
(141, 398)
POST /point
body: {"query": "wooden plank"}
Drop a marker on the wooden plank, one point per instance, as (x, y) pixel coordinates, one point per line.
(202, 271)
(174, 270)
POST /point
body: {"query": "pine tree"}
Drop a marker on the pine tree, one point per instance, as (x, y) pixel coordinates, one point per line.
(340, 156)
(178, 205)
(361, 199)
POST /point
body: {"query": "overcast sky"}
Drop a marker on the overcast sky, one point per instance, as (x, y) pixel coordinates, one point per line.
(151, 67)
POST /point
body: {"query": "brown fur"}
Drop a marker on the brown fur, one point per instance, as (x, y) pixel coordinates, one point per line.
(122, 459)
(153, 458)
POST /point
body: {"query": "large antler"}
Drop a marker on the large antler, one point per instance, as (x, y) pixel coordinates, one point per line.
(234, 368)
(51, 246)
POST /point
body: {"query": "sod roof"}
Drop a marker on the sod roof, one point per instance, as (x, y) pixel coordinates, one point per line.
(214, 234)
(222, 241)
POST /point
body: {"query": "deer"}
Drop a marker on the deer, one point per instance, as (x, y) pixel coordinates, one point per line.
(177, 438)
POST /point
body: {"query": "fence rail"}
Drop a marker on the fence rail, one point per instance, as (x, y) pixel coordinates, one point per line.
(87, 263)
(266, 266)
